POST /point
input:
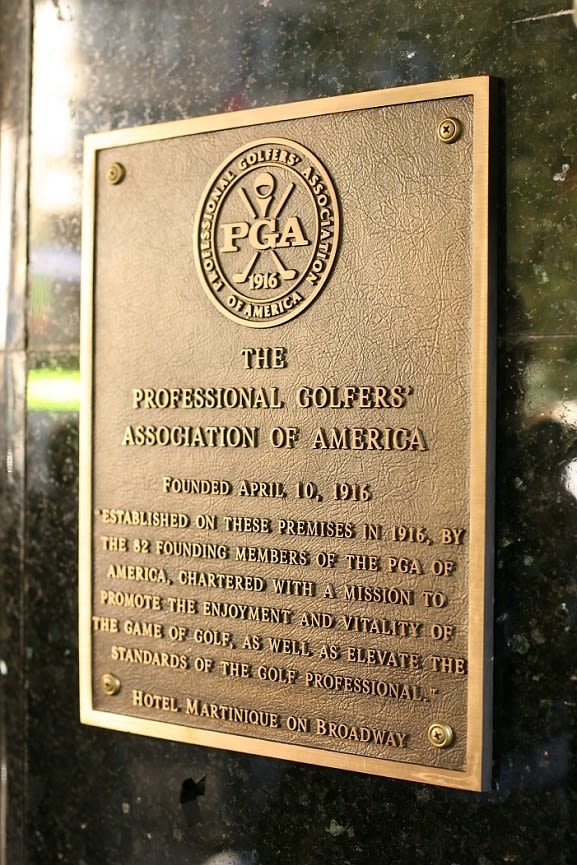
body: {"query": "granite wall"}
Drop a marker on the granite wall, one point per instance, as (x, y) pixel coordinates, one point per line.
(72, 794)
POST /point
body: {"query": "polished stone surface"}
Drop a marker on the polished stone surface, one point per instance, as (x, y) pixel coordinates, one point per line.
(83, 796)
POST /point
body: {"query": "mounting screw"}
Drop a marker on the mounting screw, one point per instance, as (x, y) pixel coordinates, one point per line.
(440, 735)
(115, 173)
(449, 130)
(110, 684)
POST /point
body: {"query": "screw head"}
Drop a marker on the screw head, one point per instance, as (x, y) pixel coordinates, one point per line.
(440, 735)
(449, 130)
(115, 173)
(110, 684)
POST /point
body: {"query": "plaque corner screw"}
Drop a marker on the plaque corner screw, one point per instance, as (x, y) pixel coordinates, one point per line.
(115, 173)
(449, 130)
(440, 735)
(110, 684)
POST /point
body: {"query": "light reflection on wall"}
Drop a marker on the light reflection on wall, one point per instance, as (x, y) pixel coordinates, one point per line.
(6, 201)
(55, 183)
(566, 413)
(570, 478)
(53, 390)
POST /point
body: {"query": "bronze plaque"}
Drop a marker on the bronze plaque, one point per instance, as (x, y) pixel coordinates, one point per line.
(285, 505)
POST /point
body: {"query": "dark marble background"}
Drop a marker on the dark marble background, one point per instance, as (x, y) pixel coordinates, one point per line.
(80, 796)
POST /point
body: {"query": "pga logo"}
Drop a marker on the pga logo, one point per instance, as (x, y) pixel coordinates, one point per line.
(266, 233)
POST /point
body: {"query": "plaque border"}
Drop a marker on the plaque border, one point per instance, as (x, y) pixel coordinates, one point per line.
(477, 774)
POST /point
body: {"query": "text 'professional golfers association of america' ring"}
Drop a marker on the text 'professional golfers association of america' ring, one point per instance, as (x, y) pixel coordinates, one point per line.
(266, 232)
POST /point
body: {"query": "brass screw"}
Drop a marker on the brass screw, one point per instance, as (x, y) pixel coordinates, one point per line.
(440, 735)
(449, 130)
(110, 684)
(115, 173)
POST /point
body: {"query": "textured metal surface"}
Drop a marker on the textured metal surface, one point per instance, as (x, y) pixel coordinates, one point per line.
(323, 597)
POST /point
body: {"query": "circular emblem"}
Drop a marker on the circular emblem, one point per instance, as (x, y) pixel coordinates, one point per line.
(266, 232)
